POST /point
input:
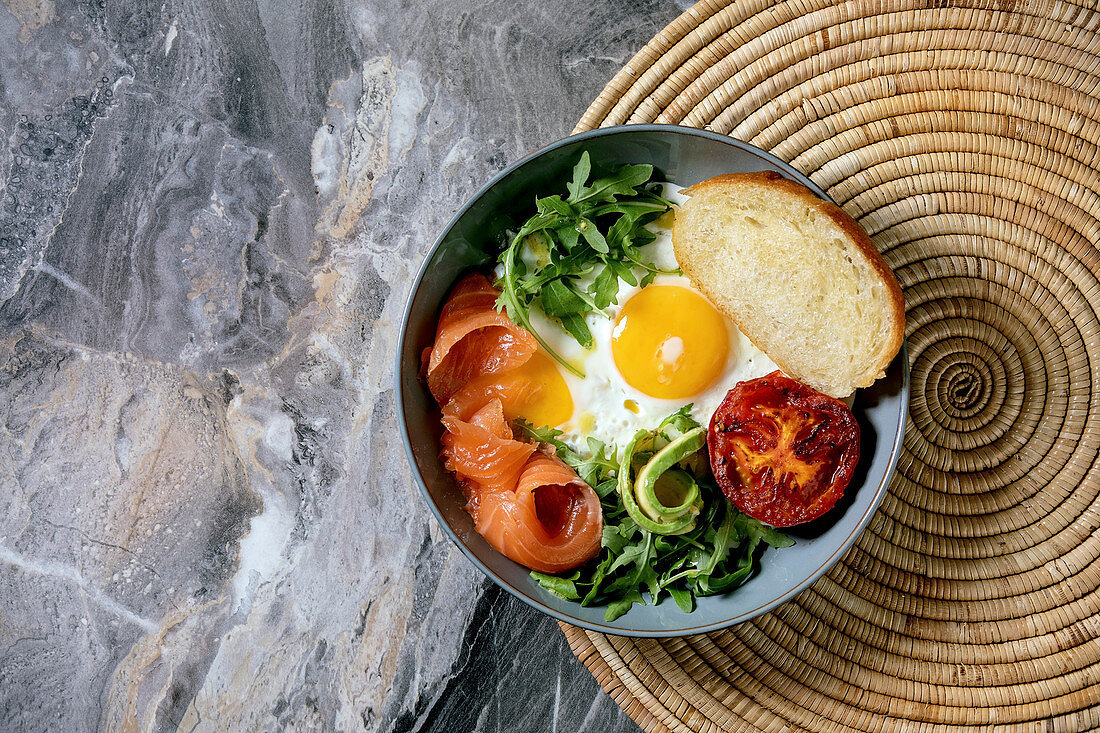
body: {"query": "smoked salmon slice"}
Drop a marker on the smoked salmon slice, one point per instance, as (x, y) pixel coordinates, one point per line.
(509, 386)
(473, 339)
(528, 504)
(551, 523)
(482, 451)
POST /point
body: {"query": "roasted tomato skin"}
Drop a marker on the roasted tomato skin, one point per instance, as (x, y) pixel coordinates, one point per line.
(781, 451)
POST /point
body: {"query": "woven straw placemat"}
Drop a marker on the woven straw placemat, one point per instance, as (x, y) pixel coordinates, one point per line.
(963, 136)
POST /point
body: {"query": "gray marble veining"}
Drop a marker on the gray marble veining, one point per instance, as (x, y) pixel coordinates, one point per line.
(209, 216)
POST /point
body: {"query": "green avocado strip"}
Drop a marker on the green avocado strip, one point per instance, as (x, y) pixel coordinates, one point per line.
(676, 451)
(639, 495)
(676, 482)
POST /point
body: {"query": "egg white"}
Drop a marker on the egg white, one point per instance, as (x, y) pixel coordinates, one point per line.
(601, 398)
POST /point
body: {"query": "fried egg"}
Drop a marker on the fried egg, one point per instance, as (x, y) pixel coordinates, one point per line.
(658, 349)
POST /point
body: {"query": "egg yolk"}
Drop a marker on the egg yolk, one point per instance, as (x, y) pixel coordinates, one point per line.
(543, 398)
(670, 342)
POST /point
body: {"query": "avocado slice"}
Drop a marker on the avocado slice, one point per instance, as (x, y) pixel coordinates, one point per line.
(660, 483)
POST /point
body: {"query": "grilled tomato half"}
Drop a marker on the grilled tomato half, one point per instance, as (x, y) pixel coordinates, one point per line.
(781, 451)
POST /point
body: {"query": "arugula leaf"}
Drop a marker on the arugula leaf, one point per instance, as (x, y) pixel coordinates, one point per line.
(559, 300)
(680, 421)
(683, 598)
(581, 171)
(632, 208)
(771, 535)
(623, 183)
(636, 554)
(618, 607)
(620, 231)
(604, 488)
(710, 585)
(623, 272)
(599, 458)
(597, 229)
(605, 287)
(568, 236)
(561, 587)
(576, 327)
(723, 538)
(552, 436)
(554, 205)
(592, 235)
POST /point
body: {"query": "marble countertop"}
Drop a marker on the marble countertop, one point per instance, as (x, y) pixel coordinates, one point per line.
(209, 217)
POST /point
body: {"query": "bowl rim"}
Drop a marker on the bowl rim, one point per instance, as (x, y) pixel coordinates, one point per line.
(901, 358)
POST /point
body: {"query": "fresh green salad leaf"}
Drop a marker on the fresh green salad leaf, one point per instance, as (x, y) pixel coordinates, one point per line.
(563, 587)
(720, 553)
(595, 230)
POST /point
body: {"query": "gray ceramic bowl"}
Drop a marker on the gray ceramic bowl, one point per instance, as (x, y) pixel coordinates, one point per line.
(683, 156)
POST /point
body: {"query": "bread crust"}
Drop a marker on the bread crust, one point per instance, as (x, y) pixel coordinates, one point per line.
(846, 223)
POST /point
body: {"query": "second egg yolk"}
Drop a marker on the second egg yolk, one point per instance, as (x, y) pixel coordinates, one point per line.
(537, 392)
(670, 342)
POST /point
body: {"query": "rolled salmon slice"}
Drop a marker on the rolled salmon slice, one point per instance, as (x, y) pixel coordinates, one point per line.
(483, 454)
(473, 339)
(551, 523)
(529, 505)
(507, 387)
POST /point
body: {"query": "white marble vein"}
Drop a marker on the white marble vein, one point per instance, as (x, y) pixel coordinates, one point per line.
(72, 575)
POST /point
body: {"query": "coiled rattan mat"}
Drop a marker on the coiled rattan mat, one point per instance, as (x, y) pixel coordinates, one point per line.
(963, 136)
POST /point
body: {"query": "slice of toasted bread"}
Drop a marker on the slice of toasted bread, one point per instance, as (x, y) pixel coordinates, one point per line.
(796, 274)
